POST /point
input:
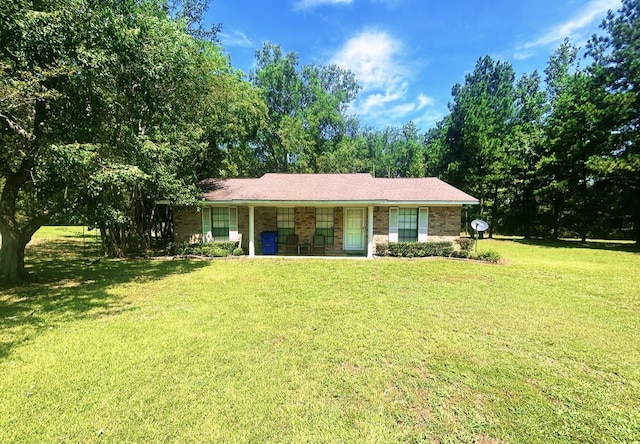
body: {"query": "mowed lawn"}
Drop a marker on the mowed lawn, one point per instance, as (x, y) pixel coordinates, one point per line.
(542, 348)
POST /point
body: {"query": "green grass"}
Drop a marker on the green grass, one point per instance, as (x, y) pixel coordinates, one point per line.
(543, 348)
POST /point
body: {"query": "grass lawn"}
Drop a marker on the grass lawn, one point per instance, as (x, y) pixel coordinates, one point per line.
(543, 348)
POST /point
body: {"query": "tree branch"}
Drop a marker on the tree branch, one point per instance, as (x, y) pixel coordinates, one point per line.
(16, 128)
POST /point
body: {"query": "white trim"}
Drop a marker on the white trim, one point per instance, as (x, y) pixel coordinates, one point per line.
(423, 224)
(206, 225)
(339, 203)
(252, 232)
(393, 224)
(362, 232)
(233, 223)
(370, 231)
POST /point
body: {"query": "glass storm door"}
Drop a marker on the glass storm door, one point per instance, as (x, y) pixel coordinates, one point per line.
(354, 229)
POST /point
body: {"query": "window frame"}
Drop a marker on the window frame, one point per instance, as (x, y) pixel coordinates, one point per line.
(408, 224)
(328, 220)
(285, 223)
(397, 223)
(222, 219)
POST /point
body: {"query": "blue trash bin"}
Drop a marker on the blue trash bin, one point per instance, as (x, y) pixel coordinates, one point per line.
(269, 242)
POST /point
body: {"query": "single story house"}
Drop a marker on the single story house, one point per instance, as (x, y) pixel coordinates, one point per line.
(353, 212)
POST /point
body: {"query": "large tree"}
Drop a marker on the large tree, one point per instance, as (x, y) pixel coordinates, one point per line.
(524, 149)
(576, 135)
(617, 68)
(37, 68)
(106, 107)
(306, 107)
(477, 129)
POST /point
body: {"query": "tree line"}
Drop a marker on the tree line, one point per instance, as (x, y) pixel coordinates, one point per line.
(108, 106)
(552, 155)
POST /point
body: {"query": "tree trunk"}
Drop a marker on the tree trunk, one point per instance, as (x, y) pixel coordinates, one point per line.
(556, 216)
(494, 212)
(12, 249)
(528, 210)
(636, 213)
(12, 258)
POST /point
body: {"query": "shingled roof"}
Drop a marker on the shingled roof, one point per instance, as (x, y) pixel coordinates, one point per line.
(333, 188)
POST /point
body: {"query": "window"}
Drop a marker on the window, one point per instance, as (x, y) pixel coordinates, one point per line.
(324, 224)
(286, 223)
(407, 224)
(220, 224)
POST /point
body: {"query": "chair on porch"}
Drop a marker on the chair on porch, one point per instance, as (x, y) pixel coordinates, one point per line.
(291, 243)
(318, 243)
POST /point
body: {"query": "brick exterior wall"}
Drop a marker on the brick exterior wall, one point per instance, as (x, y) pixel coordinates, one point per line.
(338, 231)
(243, 227)
(380, 225)
(265, 220)
(187, 224)
(444, 224)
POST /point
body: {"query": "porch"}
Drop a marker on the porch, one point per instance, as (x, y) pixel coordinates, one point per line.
(347, 231)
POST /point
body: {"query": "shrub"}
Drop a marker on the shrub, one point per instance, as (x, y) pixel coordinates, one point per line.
(229, 246)
(213, 249)
(420, 249)
(463, 254)
(465, 243)
(238, 251)
(209, 249)
(382, 249)
(181, 249)
(488, 256)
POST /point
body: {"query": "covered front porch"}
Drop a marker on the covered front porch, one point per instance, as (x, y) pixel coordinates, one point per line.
(345, 230)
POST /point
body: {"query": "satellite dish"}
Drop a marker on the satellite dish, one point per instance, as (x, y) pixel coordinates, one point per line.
(479, 225)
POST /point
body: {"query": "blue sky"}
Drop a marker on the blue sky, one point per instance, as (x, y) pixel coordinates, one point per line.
(406, 54)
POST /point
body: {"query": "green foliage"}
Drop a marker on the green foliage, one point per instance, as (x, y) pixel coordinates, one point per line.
(420, 249)
(108, 107)
(382, 249)
(465, 243)
(473, 151)
(492, 256)
(207, 249)
(306, 109)
(556, 162)
(426, 249)
(616, 70)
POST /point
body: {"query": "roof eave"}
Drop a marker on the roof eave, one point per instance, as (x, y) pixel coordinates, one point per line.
(256, 202)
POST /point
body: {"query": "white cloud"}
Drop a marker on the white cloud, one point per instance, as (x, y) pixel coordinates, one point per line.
(374, 57)
(392, 93)
(429, 119)
(424, 101)
(384, 71)
(236, 38)
(310, 4)
(573, 28)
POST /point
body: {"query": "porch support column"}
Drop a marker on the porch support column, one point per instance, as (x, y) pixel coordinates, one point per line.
(370, 232)
(252, 231)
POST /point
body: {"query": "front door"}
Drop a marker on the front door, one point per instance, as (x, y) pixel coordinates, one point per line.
(354, 229)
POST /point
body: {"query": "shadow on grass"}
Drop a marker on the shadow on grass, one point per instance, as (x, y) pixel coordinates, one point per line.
(69, 281)
(595, 244)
